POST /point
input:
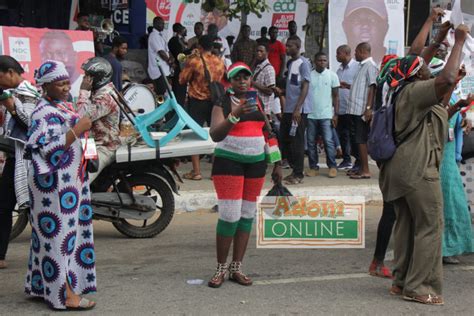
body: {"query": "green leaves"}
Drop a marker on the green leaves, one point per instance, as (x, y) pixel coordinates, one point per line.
(236, 7)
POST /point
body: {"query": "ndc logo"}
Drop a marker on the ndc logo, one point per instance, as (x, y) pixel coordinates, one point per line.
(285, 6)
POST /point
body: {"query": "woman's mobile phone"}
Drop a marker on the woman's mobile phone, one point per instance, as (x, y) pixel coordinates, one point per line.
(252, 99)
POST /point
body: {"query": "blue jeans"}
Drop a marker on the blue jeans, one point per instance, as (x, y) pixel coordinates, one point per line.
(323, 128)
(335, 138)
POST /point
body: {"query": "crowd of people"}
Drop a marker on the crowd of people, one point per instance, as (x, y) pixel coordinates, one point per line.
(297, 99)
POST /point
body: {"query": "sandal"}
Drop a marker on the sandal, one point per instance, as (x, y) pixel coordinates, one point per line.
(84, 304)
(192, 176)
(236, 275)
(358, 176)
(425, 299)
(293, 180)
(219, 276)
(378, 269)
(396, 290)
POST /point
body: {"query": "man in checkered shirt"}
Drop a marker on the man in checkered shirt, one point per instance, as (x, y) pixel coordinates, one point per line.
(264, 78)
(361, 99)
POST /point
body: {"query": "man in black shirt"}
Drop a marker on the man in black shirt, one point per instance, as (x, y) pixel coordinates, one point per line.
(177, 45)
(118, 52)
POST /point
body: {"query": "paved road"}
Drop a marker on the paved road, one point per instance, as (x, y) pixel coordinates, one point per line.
(143, 277)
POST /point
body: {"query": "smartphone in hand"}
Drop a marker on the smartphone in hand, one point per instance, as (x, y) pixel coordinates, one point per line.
(252, 99)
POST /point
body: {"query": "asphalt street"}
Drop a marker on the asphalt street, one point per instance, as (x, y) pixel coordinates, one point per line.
(144, 277)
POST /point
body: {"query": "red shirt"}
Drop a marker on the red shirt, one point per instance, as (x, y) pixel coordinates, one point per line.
(276, 49)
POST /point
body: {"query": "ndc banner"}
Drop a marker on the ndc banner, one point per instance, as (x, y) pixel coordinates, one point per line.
(279, 14)
(311, 222)
(379, 22)
(158, 8)
(31, 47)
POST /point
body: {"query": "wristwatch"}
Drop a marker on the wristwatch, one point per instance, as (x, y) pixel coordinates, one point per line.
(368, 108)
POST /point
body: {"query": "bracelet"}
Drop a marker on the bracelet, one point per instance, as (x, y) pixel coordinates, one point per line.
(74, 133)
(232, 119)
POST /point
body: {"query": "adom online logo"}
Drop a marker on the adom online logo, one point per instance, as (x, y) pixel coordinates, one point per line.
(311, 222)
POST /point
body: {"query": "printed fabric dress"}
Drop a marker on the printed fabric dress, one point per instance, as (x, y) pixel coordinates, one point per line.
(62, 247)
(457, 234)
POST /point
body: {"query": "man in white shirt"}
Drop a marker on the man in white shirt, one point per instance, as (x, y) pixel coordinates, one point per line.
(158, 49)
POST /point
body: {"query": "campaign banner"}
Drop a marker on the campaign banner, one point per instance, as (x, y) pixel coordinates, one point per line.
(158, 8)
(311, 222)
(378, 22)
(279, 14)
(32, 46)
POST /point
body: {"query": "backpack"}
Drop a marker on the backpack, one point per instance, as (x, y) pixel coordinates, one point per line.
(381, 143)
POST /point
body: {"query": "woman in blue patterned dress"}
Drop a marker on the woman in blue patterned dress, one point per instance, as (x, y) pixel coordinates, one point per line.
(62, 258)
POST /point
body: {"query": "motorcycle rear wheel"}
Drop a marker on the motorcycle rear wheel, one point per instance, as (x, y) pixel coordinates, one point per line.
(156, 188)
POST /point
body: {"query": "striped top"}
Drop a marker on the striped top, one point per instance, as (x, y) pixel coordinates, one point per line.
(245, 141)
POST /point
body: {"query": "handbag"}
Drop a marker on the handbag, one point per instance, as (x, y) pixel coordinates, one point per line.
(216, 88)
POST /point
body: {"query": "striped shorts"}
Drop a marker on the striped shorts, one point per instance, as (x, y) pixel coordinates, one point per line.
(237, 186)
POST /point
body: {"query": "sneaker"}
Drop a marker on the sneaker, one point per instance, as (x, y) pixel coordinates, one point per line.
(345, 165)
(332, 172)
(312, 172)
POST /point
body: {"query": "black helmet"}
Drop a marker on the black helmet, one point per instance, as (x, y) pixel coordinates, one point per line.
(99, 69)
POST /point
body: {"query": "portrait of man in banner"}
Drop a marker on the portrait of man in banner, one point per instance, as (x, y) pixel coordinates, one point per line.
(367, 21)
(217, 17)
(57, 45)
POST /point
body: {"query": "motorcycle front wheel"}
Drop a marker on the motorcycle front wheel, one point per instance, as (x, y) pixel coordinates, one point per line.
(20, 220)
(160, 192)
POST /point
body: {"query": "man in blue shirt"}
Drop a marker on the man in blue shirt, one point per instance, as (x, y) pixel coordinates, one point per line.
(324, 87)
(297, 106)
(118, 52)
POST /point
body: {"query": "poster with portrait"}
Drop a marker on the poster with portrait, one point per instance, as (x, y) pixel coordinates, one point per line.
(280, 12)
(32, 46)
(379, 22)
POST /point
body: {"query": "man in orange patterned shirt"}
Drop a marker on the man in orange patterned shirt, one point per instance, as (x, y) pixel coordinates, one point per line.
(199, 95)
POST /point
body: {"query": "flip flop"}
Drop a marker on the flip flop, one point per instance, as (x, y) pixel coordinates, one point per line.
(192, 176)
(425, 299)
(84, 304)
(358, 177)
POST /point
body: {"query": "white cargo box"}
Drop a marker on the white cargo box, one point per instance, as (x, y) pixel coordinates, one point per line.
(186, 144)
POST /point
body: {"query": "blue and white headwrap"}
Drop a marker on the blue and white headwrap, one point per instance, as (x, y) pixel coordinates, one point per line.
(51, 71)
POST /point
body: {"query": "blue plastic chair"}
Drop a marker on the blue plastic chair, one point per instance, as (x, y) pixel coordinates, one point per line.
(179, 121)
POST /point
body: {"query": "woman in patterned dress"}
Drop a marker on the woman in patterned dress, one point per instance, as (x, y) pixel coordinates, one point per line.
(62, 259)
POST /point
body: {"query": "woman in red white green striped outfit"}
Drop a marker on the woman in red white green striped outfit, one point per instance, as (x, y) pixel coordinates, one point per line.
(238, 172)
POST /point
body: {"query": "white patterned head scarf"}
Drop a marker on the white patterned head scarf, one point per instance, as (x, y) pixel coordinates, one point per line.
(51, 71)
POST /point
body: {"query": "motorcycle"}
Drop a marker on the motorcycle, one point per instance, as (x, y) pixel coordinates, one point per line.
(136, 194)
(136, 197)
